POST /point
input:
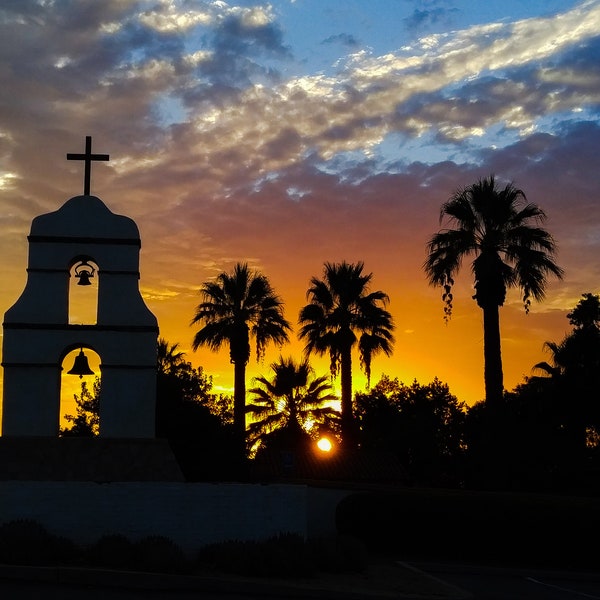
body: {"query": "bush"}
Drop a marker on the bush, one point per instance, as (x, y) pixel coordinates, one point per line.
(113, 550)
(285, 556)
(160, 554)
(500, 528)
(25, 541)
(341, 554)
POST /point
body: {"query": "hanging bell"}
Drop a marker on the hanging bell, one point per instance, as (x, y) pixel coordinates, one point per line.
(81, 366)
(84, 272)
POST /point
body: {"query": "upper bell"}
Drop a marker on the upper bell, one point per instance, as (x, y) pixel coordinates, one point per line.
(84, 272)
(81, 366)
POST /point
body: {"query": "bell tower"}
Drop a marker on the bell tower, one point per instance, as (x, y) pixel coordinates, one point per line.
(38, 335)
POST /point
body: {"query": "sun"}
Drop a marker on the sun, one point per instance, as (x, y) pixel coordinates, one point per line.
(324, 445)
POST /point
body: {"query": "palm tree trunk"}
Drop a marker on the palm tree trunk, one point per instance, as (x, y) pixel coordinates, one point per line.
(492, 355)
(348, 433)
(239, 406)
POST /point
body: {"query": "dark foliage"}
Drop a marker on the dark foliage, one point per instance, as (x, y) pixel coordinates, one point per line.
(544, 434)
(159, 554)
(422, 424)
(86, 420)
(114, 551)
(286, 555)
(201, 440)
(507, 529)
(25, 541)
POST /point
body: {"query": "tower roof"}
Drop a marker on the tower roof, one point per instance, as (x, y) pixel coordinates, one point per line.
(84, 216)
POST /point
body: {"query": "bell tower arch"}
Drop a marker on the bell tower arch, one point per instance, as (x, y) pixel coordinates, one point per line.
(38, 334)
(83, 291)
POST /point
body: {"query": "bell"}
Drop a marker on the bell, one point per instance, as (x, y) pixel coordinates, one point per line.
(81, 366)
(84, 272)
(84, 278)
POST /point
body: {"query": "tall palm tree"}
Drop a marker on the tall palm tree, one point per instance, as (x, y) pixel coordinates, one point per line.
(234, 307)
(341, 314)
(291, 402)
(501, 230)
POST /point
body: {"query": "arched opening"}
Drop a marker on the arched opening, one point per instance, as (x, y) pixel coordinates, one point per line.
(83, 292)
(80, 393)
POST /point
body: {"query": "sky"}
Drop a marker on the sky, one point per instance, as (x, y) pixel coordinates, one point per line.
(293, 133)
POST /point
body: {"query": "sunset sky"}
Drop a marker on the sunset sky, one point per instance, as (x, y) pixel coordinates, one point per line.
(291, 133)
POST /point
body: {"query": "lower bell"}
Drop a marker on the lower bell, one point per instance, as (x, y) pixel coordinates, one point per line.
(81, 366)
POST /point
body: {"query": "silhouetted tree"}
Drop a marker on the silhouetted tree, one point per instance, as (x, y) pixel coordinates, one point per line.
(177, 379)
(168, 357)
(500, 229)
(517, 444)
(201, 440)
(235, 307)
(291, 403)
(343, 313)
(545, 431)
(575, 373)
(86, 420)
(586, 315)
(422, 424)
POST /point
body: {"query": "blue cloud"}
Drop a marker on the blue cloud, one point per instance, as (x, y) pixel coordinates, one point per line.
(241, 55)
(345, 39)
(428, 18)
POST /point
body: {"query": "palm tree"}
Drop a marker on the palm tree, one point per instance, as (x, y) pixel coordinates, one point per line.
(500, 229)
(169, 357)
(341, 314)
(235, 307)
(290, 403)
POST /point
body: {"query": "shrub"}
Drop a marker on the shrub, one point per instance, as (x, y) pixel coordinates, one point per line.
(286, 556)
(501, 528)
(24, 541)
(113, 550)
(65, 551)
(159, 553)
(341, 554)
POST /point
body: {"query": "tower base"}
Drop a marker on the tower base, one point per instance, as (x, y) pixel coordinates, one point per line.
(87, 459)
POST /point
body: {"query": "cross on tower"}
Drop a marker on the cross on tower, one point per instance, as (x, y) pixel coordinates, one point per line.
(88, 157)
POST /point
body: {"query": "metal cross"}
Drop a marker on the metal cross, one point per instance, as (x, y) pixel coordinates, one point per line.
(88, 157)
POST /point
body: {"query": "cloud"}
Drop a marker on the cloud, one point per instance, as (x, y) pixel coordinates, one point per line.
(344, 39)
(425, 19)
(240, 110)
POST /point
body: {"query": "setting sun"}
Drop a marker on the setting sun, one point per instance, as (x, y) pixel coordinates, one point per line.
(324, 445)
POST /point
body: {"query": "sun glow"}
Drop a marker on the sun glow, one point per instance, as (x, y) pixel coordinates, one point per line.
(324, 445)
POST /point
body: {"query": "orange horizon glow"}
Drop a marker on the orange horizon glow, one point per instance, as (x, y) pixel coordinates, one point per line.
(425, 346)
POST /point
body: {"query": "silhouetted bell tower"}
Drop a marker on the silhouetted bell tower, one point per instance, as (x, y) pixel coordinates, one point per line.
(38, 335)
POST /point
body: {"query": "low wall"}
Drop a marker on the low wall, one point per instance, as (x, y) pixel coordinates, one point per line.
(191, 514)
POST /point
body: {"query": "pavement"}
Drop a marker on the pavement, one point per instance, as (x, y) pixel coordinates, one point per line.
(393, 579)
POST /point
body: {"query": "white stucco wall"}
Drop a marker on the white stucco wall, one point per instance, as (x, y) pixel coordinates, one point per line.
(191, 514)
